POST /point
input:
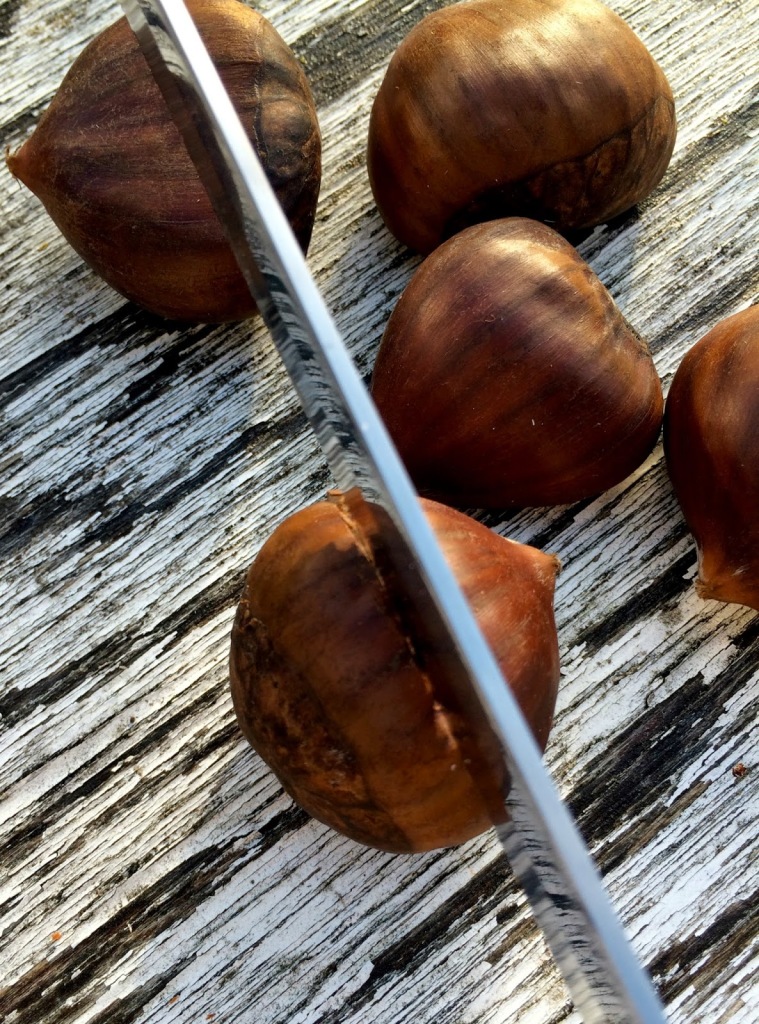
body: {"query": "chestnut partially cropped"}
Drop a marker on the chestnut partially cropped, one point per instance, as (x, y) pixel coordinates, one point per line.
(552, 109)
(711, 444)
(507, 376)
(109, 164)
(333, 691)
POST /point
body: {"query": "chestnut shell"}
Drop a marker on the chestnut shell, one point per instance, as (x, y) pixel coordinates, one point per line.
(332, 692)
(551, 109)
(711, 444)
(109, 164)
(507, 377)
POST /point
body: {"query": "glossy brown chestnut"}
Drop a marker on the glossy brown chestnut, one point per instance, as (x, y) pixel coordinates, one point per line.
(551, 109)
(110, 166)
(330, 687)
(711, 443)
(507, 376)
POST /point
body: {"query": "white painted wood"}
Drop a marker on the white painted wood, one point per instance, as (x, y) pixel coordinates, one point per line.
(153, 870)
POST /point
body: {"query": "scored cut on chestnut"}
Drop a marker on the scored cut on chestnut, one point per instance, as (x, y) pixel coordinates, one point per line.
(551, 109)
(711, 445)
(331, 688)
(507, 377)
(110, 166)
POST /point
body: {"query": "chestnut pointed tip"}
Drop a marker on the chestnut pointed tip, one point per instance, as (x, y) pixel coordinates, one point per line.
(557, 566)
(733, 587)
(18, 163)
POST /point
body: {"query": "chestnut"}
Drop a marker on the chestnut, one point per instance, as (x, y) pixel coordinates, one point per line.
(507, 377)
(332, 690)
(109, 165)
(551, 109)
(711, 445)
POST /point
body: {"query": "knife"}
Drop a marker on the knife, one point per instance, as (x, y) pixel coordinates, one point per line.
(543, 846)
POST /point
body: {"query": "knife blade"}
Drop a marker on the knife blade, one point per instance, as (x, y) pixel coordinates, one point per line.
(541, 841)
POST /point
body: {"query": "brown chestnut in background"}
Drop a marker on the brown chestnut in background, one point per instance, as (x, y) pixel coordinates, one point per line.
(507, 376)
(711, 443)
(330, 688)
(112, 170)
(551, 109)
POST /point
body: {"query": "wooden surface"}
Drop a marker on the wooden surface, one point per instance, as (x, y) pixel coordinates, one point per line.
(151, 867)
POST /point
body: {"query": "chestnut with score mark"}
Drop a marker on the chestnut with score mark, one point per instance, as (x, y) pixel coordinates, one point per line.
(333, 690)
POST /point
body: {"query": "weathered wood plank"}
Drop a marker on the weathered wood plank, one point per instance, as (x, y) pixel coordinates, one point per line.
(152, 868)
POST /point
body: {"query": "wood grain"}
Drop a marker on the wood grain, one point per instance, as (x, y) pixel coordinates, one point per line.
(152, 870)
